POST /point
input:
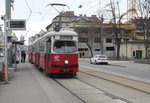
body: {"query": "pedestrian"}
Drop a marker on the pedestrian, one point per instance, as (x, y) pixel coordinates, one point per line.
(17, 57)
(83, 54)
(80, 55)
(13, 58)
(23, 56)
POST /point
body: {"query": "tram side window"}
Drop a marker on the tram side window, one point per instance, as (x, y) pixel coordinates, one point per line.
(36, 46)
(48, 46)
(41, 46)
(33, 49)
(29, 49)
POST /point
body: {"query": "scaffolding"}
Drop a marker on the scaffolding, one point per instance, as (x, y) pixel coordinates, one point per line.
(131, 10)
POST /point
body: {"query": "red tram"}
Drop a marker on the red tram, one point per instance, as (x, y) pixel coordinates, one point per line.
(55, 52)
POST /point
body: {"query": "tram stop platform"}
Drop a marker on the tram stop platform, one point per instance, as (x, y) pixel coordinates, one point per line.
(22, 88)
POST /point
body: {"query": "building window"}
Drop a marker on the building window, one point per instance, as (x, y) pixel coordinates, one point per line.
(97, 40)
(108, 40)
(65, 18)
(83, 40)
(133, 53)
(110, 48)
(126, 39)
(97, 49)
(66, 24)
(83, 49)
(138, 53)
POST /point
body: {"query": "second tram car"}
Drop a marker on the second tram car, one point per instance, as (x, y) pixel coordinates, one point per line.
(56, 52)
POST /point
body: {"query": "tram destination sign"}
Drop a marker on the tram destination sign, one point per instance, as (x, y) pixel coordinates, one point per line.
(17, 24)
(66, 37)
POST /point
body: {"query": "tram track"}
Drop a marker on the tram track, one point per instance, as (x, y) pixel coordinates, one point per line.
(82, 101)
(108, 94)
(113, 97)
(60, 80)
(70, 84)
(128, 82)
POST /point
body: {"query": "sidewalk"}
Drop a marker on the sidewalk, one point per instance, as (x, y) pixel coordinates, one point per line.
(23, 88)
(29, 85)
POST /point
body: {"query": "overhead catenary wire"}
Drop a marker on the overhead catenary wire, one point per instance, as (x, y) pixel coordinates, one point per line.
(27, 32)
(29, 10)
(28, 17)
(28, 6)
(102, 9)
(42, 18)
(95, 5)
(81, 5)
(91, 7)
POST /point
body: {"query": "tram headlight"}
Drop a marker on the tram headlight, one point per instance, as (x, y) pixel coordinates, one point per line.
(66, 61)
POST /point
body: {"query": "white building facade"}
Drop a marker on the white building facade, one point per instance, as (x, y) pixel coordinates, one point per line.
(87, 37)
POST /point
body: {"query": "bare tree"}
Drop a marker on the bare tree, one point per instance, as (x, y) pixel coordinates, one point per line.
(91, 35)
(88, 30)
(116, 22)
(87, 35)
(143, 13)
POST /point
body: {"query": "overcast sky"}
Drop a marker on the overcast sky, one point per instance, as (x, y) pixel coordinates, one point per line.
(39, 15)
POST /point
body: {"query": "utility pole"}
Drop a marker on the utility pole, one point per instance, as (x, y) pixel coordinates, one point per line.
(101, 31)
(101, 35)
(7, 32)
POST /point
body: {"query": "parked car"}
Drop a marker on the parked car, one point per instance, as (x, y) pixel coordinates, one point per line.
(99, 59)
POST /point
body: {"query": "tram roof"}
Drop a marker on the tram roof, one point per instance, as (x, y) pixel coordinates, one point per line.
(62, 32)
(54, 33)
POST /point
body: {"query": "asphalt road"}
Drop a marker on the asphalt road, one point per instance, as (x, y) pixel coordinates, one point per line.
(130, 69)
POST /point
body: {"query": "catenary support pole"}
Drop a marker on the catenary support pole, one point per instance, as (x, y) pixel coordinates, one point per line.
(7, 32)
(102, 35)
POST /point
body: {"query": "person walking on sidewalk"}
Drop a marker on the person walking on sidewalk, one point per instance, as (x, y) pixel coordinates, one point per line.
(23, 56)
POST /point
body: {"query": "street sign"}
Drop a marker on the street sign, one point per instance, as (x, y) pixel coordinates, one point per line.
(17, 24)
